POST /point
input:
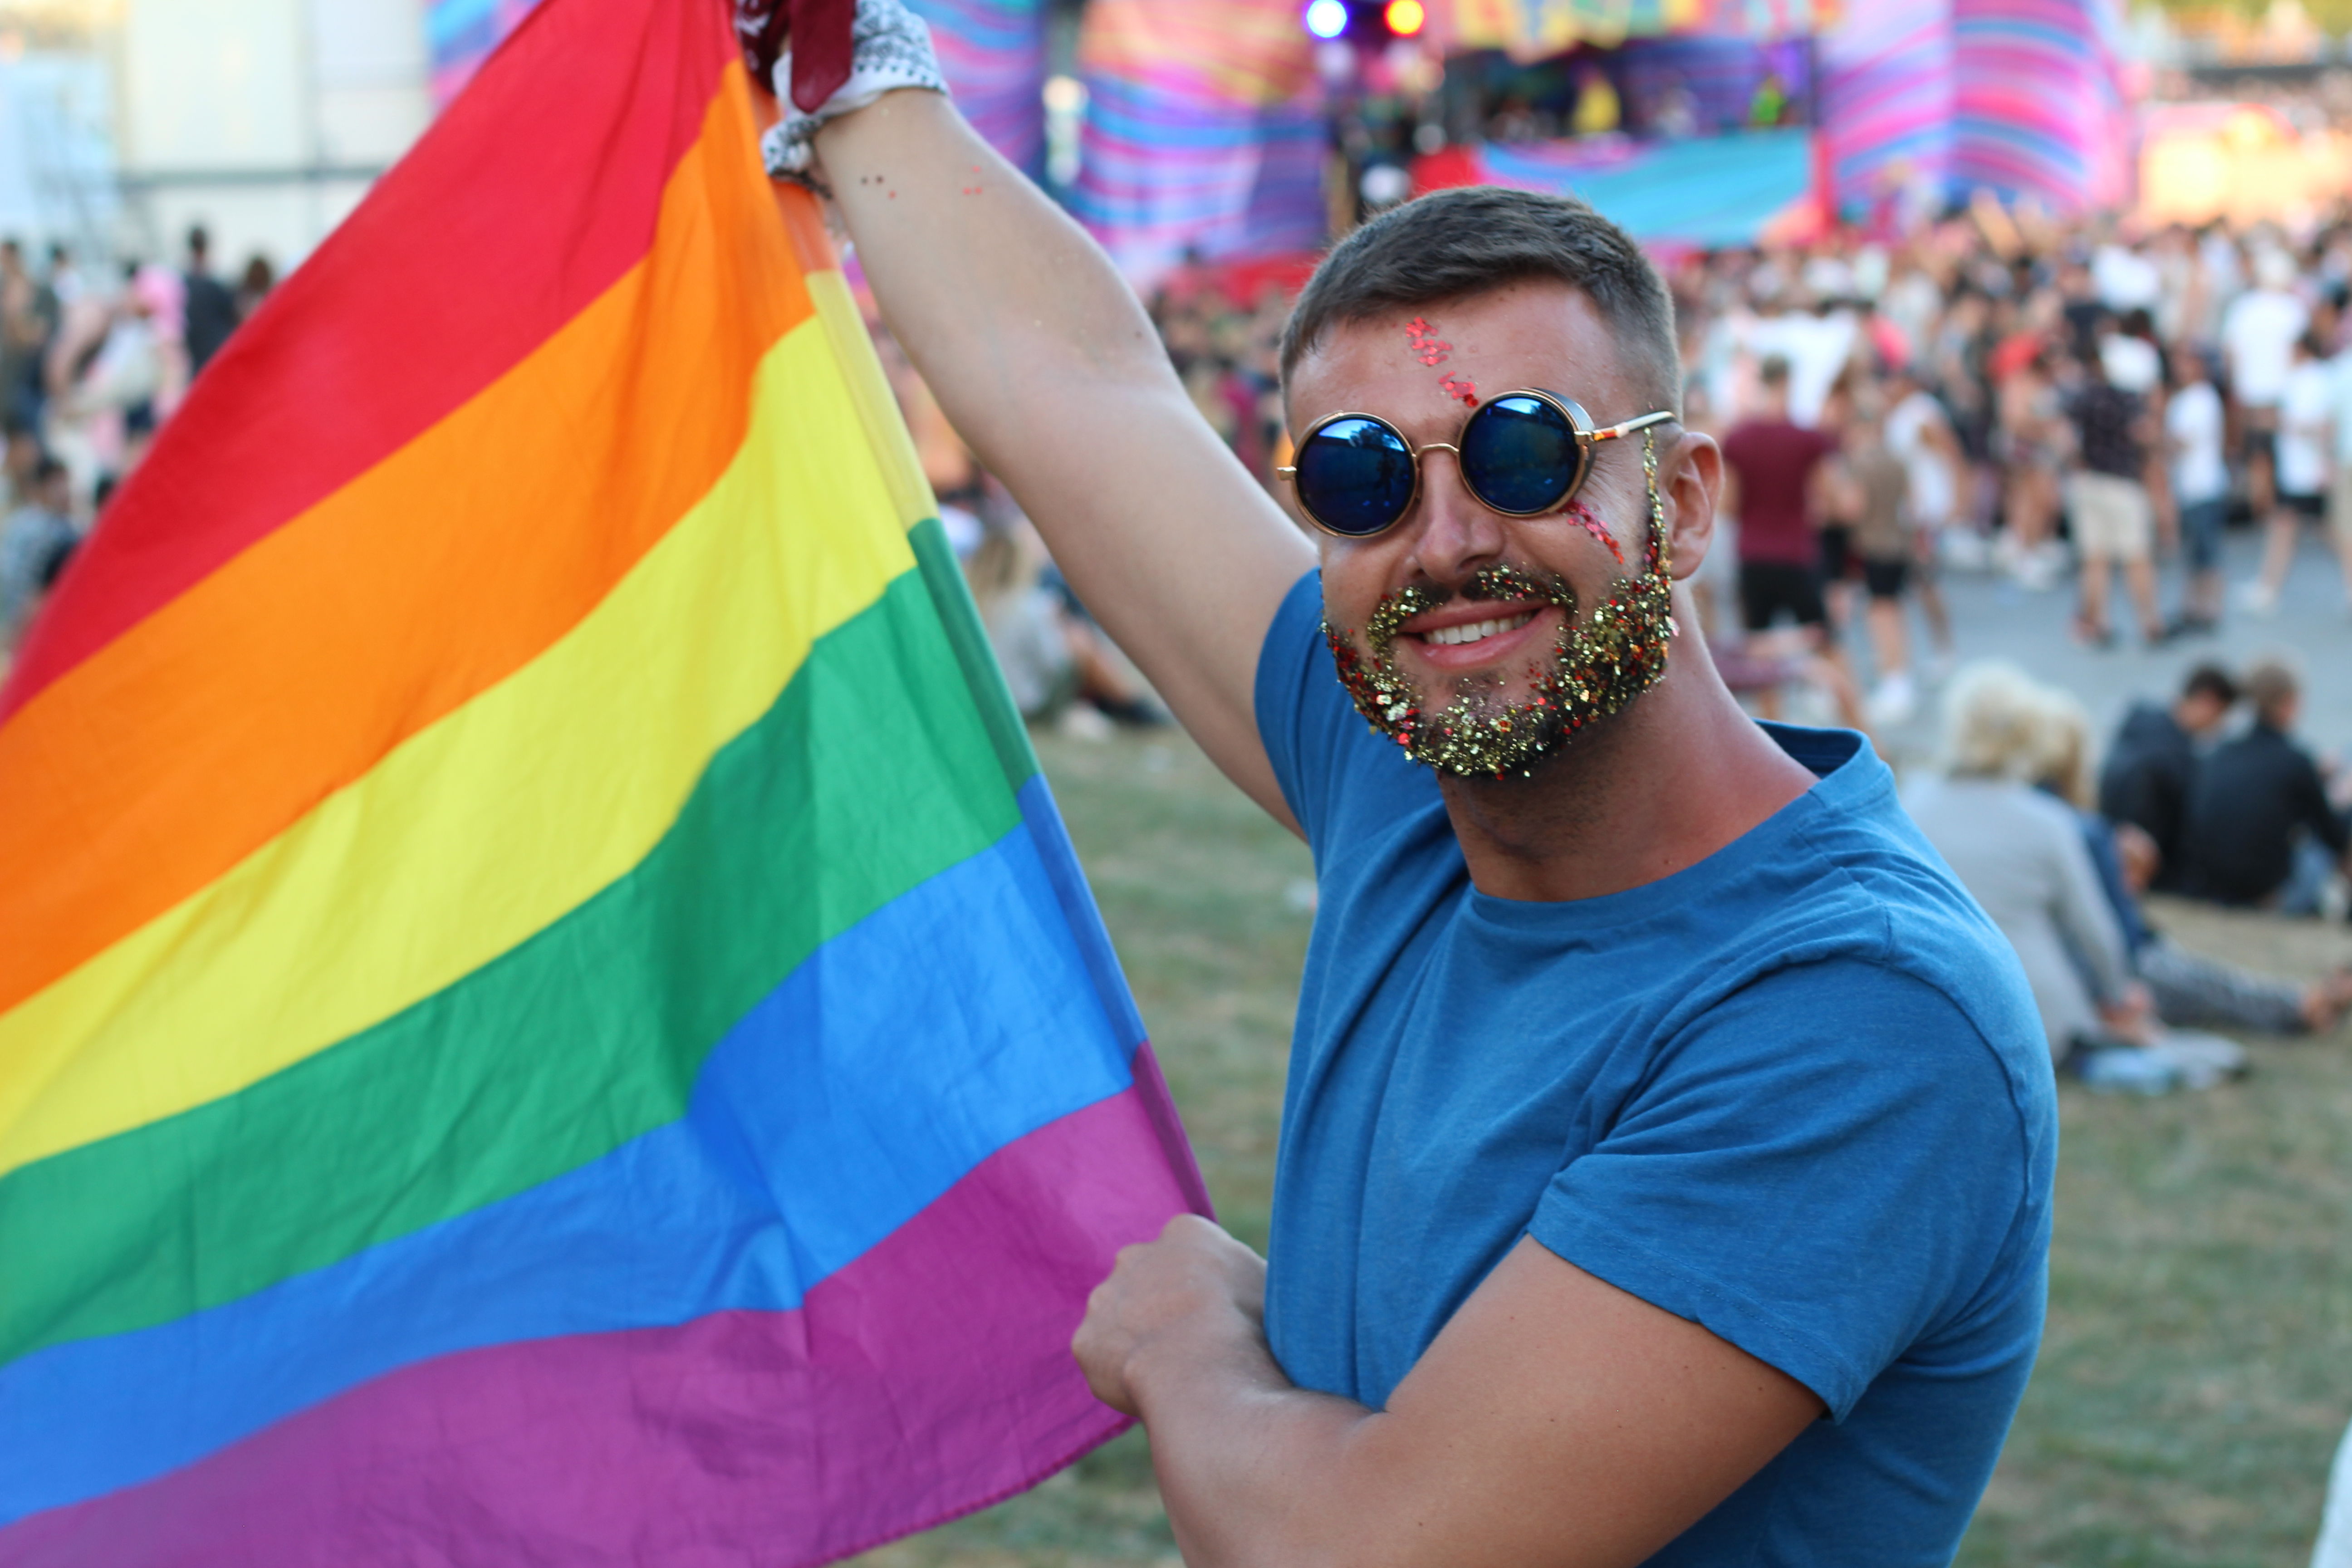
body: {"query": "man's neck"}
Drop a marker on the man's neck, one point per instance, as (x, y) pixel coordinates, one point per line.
(1637, 797)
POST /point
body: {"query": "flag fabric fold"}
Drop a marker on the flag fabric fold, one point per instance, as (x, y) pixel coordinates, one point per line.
(545, 1008)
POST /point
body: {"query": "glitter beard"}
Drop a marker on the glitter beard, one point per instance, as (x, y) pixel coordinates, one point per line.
(1597, 668)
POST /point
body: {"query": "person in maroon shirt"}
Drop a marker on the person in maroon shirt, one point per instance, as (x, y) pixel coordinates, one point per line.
(1770, 461)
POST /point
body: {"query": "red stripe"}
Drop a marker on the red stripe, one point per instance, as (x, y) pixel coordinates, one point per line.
(930, 1377)
(476, 248)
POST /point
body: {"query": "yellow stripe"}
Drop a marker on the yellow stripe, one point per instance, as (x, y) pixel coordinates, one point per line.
(495, 821)
(878, 408)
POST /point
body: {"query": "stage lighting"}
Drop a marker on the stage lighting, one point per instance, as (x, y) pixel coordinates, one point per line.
(1405, 17)
(1328, 18)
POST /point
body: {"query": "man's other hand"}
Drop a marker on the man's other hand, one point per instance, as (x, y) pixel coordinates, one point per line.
(1195, 1288)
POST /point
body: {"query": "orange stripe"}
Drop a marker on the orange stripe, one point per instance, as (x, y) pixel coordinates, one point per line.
(214, 723)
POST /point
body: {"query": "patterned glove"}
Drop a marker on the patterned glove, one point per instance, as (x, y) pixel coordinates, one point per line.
(887, 48)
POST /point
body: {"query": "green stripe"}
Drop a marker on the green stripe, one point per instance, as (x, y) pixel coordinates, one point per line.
(560, 1050)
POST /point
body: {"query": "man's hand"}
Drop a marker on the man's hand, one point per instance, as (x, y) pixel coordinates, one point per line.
(1193, 1289)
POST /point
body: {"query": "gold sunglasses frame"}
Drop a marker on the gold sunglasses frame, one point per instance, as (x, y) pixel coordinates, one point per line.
(1579, 422)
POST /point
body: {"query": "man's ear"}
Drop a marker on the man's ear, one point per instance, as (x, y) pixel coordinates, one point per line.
(1690, 481)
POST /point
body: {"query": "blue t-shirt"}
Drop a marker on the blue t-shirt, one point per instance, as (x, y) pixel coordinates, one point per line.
(1797, 1093)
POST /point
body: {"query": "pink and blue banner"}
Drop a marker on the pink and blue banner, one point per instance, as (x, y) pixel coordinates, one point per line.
(1703, 193)
(2023, 98)
(1205, 134)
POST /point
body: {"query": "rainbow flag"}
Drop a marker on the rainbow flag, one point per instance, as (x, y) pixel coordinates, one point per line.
(545, 1010)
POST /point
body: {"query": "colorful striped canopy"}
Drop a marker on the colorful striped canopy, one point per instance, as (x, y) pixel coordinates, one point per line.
(1204, 133)
(545, 1010)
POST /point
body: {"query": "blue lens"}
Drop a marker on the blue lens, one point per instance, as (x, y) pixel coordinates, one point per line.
(1355, 475)
(1520, 455)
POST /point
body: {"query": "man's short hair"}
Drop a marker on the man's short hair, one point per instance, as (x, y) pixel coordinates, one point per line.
(2272, 686)
(2210, 680)
(1455, 244)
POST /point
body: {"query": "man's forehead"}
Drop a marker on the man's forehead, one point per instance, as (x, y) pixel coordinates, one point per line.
(1535, 333)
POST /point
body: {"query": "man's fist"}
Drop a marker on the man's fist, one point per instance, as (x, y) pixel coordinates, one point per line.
(1194, 1286)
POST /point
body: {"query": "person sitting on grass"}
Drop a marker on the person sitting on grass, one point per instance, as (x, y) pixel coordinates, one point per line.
(2152, 761)
(2187, 989)
(2260, 828)
(2021, 853)
(1665, 1170)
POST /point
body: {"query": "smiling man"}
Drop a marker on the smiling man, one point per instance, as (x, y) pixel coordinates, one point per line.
(1666, 1164)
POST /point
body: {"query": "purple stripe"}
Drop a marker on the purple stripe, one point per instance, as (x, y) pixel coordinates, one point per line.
(929, 1378)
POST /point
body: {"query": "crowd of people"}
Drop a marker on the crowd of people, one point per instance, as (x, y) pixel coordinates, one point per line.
(89, 369)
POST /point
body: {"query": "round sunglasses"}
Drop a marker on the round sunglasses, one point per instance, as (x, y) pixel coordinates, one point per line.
(1521, 454)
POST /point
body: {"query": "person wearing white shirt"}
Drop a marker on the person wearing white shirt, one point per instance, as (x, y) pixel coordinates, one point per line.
(2258, 333)
(1920, 434)
(2339, 489)
(2200, 486)
(2305, 443)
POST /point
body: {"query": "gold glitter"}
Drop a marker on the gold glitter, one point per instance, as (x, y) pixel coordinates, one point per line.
(1597, 668)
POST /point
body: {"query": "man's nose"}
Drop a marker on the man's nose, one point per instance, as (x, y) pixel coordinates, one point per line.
(1457, 536)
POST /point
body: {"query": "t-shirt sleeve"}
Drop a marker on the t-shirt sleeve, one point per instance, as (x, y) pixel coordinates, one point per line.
(1821, 1169)
(1303, 713)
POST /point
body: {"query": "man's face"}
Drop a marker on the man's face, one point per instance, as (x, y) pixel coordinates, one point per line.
(2200, 711)
(1464, 609)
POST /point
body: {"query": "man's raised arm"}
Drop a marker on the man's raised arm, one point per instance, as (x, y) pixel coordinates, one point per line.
(1045, 362)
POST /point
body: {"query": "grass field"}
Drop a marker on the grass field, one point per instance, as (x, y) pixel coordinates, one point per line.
(2197, 1367)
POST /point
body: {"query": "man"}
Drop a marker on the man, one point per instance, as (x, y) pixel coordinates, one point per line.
(211, 309)
(35, 539)
(1919, 432)
(2154, 760)
(1771, 461)
(2193, 426)
(2258, 334)
(2106, 494)
(2260, 828)
(2305, 443)
(1655, 1094)
(2339, 480)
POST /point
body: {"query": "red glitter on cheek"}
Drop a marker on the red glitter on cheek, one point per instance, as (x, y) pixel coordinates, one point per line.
(1581, 515)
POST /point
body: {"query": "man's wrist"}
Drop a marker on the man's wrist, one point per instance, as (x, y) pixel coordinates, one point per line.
(1217, 1350)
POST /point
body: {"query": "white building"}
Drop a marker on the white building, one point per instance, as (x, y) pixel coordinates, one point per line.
(263, 120)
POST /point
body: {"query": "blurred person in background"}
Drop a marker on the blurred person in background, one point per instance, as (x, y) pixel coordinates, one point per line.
(2339, 483)
(1769, 463)
(2195, 433)
(35, 539)
(2153, 762)
(2303, 444)
(2106, 496)
(253, 285)
(29, 320)
(2260, 827)
(1921, 436)
(2259, 329)
(2021, 854)
(210, 313)
(2032, 450)
(1879, 499)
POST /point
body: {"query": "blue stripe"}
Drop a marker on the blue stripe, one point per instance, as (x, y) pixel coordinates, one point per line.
(905, 1051)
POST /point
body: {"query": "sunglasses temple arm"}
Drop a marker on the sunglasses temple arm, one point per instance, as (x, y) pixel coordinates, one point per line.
(1614, 431)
